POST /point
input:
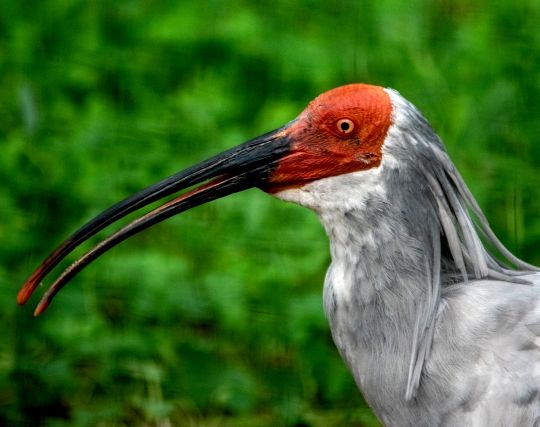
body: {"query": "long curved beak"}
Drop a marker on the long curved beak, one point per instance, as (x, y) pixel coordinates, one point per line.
(248, 165)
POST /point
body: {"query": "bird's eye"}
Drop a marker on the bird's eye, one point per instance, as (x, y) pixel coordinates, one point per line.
(345, 126)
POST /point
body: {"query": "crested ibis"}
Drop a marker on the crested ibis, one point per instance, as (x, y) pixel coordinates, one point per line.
(437, 321)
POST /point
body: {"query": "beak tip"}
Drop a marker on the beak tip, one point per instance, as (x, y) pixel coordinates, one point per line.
(41, 307)
(24, 294)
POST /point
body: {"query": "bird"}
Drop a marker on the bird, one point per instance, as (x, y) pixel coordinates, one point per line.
(438, 323)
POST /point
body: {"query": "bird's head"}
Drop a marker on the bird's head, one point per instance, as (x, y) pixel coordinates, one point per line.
(342, 131)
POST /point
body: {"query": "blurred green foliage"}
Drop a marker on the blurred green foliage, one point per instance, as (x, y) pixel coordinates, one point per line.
(214, 318)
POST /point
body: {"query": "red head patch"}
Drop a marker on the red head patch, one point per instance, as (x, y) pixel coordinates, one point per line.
(340, 131)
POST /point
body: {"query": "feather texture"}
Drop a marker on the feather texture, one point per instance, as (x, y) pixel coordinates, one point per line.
(453, 204)
(436, 328)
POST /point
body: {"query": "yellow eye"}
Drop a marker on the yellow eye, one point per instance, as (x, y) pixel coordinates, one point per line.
(345, 126)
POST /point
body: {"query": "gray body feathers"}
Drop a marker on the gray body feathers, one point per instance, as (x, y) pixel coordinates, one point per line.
(435, 329)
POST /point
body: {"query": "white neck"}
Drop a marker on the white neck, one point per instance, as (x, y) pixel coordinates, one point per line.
(374, 286)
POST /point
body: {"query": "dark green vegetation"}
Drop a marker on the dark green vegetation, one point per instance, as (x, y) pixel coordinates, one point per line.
(214, 318)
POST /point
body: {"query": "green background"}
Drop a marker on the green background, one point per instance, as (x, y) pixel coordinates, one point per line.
(214, 318)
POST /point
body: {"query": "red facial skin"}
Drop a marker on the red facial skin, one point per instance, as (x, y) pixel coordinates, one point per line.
(321, 149)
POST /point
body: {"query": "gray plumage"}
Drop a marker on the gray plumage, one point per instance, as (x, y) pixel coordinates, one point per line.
(436, 330)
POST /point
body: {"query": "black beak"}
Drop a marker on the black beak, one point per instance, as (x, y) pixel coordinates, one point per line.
(248, 165)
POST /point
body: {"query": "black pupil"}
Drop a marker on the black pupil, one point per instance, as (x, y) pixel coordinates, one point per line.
(344, 126)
